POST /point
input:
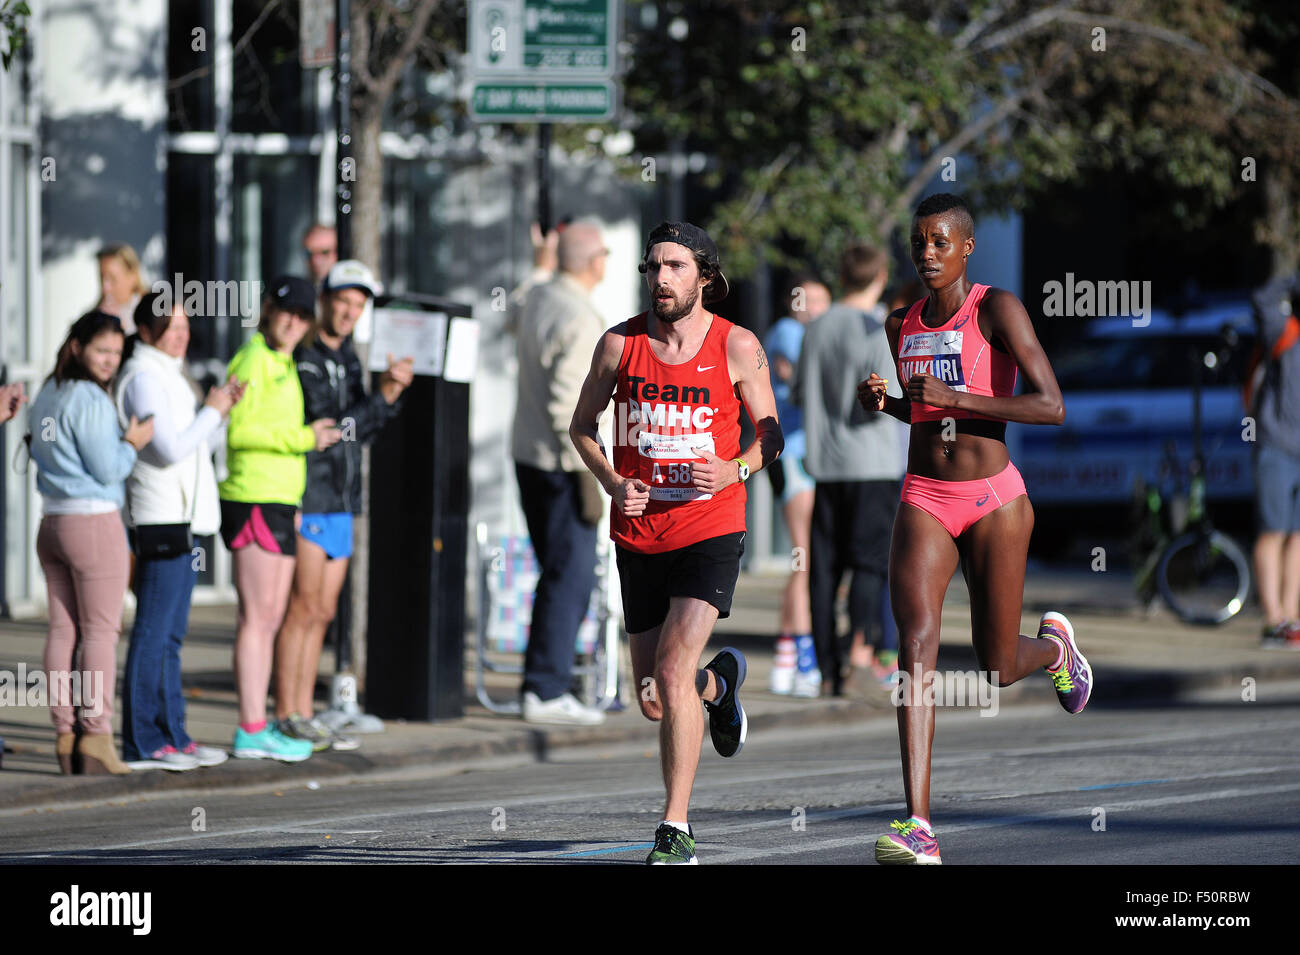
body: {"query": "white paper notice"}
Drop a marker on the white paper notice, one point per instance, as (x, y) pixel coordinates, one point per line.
(462, 350)
(401, 332)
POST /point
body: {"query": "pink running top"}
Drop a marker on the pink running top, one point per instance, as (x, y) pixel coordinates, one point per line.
(956, 353)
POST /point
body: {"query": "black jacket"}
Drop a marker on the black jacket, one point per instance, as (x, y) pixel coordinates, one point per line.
(332, 388)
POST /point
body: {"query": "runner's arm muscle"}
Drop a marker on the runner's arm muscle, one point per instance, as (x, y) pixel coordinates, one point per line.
(752, 376)
(1009, 323)
(594, 397)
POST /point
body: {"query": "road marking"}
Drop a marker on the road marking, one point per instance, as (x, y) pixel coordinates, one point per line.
(728, 782)
(806, 845)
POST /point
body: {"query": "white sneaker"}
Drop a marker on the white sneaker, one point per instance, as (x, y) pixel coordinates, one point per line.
(807, 684)
(207, 755)
(563, 710)
(782, 681)
(168, 758)
(338, 742)
(339, 721)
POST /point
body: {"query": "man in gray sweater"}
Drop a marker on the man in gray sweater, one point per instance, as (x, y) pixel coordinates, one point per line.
(854, 457)
(556, 335)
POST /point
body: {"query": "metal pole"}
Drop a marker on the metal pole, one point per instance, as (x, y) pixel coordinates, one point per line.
(343, 123)
(544, 177)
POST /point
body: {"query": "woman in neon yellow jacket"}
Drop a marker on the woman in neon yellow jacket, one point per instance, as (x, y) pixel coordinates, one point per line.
(267, 443)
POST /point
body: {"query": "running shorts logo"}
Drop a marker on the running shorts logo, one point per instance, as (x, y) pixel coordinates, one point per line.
(982, 501)
(933, 353)
(665, 464)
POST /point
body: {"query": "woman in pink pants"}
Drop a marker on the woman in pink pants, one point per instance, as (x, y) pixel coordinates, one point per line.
(82, 459)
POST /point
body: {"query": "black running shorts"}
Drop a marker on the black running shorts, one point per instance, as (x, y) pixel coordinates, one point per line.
(270, 526)
(706, 570)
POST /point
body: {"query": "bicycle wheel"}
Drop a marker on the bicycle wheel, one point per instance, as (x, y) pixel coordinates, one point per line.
(1204, 577)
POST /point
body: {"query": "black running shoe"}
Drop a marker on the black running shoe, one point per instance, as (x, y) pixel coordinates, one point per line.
(672, 847)
(727, 721)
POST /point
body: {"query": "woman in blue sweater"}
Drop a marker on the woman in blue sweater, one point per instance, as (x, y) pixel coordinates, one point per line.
(82, 458)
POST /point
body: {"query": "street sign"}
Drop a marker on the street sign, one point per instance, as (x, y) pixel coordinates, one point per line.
(524, 101)
(543, 60)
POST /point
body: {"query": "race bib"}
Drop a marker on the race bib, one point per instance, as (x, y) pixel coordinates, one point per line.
(665, 464)
(933, 353)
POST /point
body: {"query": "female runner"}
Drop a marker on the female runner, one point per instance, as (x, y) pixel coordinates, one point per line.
(957, 351)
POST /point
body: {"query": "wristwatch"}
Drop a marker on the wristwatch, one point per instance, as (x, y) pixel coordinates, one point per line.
(743, 473)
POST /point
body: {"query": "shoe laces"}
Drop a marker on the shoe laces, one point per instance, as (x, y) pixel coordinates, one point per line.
(1061, 680)
(904, 828)
(672, 840)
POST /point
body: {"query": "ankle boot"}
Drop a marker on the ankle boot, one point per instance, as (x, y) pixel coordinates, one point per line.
(65, 752)
(99, 755)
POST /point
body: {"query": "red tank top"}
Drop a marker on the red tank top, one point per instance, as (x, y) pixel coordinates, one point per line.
(661, 413)
(956, 353)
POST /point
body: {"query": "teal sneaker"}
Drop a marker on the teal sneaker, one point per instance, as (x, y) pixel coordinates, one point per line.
(672, 847)
(270, 744)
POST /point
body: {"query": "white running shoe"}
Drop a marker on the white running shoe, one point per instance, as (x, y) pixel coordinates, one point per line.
(206, 755)
(564, 710)
(168, 758)
(808, 685)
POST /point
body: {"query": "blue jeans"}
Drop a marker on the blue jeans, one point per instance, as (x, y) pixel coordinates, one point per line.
(153, 708)
(566, 553)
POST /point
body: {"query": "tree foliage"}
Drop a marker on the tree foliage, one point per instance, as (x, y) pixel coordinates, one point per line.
(828, 119)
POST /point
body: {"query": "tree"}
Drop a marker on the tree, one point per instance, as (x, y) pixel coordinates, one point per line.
(828, 118)
(388, 38)
(13, 29)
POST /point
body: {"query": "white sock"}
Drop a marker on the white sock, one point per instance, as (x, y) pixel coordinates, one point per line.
(679, 826)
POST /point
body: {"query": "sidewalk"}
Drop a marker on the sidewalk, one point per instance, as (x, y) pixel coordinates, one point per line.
(1133, 657)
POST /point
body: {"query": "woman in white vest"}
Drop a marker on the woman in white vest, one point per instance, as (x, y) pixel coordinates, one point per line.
(171, 497)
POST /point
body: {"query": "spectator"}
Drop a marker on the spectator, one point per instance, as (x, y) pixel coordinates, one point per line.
(120, 283)
(170, 495)
(267, 446)
(12, 397)
(795, 669)
(545, 262)
(556, 337)
(82, 458)
(1275, 404)
(331, 377)
(320, 244)
(853, 456)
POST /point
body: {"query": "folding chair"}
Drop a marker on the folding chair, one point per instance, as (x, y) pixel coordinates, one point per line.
(507, 576)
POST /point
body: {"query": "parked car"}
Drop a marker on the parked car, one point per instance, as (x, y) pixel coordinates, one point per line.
(1128, 406)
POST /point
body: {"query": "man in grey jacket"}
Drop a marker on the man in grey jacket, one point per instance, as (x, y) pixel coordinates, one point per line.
(853, 456)
(556, 336)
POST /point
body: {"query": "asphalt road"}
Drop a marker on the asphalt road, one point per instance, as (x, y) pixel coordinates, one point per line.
(1209, 781)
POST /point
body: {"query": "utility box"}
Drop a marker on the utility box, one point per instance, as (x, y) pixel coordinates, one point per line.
(419, 514)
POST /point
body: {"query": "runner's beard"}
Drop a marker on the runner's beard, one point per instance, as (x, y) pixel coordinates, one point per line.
(673, 313)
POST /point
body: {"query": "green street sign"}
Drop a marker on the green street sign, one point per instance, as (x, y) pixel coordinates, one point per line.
(571, 36)
(522, 100)
(543, 60)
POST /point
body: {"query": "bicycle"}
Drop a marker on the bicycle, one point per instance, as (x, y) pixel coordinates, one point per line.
(1201, 574)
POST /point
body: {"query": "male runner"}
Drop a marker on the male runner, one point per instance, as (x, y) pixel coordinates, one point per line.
(678, 375)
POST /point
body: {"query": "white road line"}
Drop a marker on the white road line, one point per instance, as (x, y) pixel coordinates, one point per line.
(866, 841)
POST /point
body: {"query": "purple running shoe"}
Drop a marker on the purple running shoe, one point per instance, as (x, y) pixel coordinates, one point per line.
(910, 844)
(1073, 678)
